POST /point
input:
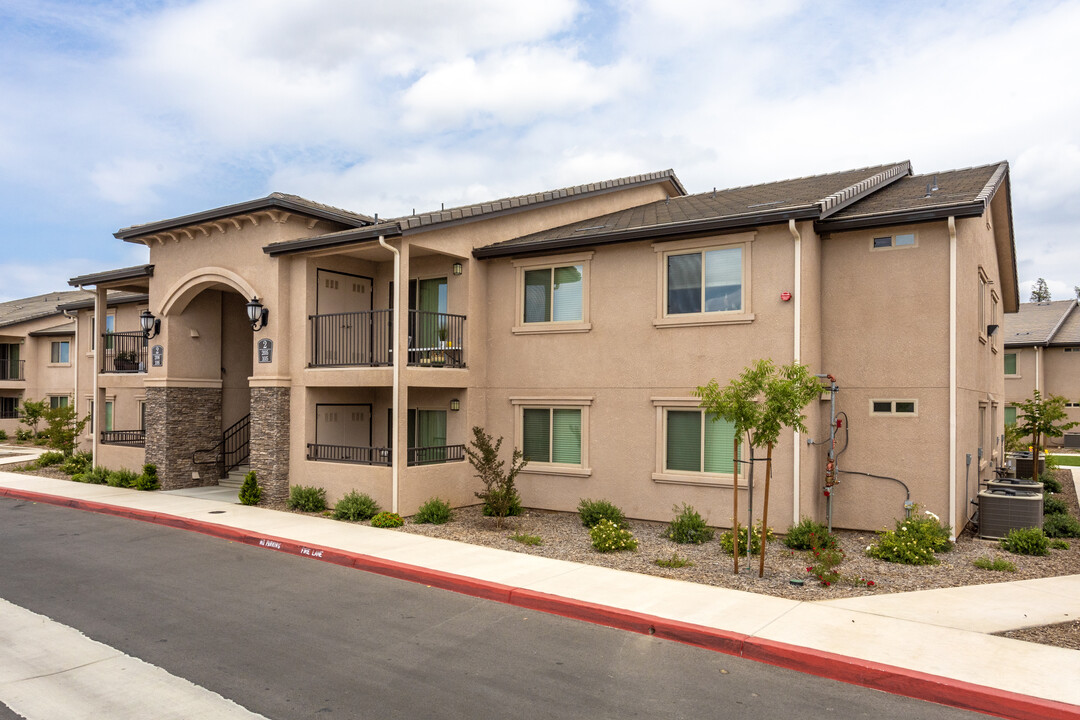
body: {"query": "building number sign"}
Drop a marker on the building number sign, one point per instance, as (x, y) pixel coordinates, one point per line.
(266, 350)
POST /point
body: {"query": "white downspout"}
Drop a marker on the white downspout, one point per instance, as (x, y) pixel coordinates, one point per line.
(797, 354)
(952, 374)
(73, 352)
(1038, 367)
(395, 432)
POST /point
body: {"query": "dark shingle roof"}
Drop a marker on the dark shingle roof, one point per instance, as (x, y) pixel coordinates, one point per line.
(807, 197)
(13, 312)
(135, 272)
(1042, 324)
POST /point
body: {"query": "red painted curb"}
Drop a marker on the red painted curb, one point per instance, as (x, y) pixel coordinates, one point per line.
(865, 673)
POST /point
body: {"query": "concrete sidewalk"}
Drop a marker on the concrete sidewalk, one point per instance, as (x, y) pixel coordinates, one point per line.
(935, 645)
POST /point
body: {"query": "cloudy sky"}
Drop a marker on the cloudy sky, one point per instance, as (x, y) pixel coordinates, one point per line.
(123, 112)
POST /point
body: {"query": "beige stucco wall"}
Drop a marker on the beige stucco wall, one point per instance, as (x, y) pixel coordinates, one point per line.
(1052, 371)
(41, 377)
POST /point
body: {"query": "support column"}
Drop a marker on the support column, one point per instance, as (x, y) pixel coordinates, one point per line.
(179, 421)
(270, 440)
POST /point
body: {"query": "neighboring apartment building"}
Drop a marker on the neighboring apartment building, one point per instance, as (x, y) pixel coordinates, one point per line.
(37, 361)
(576, 323)
(1042, 352)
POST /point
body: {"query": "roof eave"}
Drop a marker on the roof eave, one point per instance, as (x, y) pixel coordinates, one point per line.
(111, 276)
(323, 242)
(901, 217)
(695, 227)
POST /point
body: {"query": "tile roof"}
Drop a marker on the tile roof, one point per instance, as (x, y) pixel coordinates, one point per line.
(13, 312)
(741, 206)
(1042, 324)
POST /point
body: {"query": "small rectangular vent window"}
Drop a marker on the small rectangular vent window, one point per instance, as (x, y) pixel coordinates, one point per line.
(907, 408)
(894, 241)
(882, 242)
(882, 407)
(905, 239)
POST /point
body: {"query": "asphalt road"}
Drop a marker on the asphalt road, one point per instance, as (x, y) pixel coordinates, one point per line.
(291, 637)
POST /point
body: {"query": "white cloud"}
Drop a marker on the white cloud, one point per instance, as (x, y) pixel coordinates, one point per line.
(134, 182)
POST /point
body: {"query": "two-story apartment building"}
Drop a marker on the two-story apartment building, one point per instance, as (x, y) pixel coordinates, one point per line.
(335, 349)
(1042, 352)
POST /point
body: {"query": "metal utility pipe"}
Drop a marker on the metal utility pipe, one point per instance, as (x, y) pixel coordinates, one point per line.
(395, 431)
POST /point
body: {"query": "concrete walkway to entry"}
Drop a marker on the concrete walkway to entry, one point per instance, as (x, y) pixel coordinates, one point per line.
(935, 645)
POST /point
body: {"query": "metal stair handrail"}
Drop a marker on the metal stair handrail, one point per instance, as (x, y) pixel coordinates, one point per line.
(233, 449)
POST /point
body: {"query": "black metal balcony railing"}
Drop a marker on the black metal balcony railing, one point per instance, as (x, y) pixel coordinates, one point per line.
(131, 438)
(365, 338)
(349, 454)
(433, 455)
(12, 369)
(123, 352)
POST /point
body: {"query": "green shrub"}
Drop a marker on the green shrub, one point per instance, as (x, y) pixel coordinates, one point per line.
(50, 458)
(809, 534)
(356, 506)
(593, 511)
(250, 492)
(675, 561)
(727, 544)
(96, 476)
(1061, 526)
(3, 435)
(307, 499)
(914, 541)
(688, 527)
(387, 520)
(1050, 483)
(495, 500)
(80, 462)
(22, 435)
(527, 539)
(823, 564)
(997, 564)
(606, 536)
(121, 478)
(1059, 545)
(1054, 506)
(1026, 541)
(149, 479)
(434, 511)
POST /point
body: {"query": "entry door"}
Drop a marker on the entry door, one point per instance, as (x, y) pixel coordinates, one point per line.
(345, 338)
(431, 301)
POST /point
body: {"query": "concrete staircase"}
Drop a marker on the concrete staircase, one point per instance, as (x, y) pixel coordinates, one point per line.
(235, 478)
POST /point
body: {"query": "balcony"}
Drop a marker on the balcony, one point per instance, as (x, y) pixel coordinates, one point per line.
(124, 352)
(365, 339)
(382, 456)
(130, 438)
(12, 369)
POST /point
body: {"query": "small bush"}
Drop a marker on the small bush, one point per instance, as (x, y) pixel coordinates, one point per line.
(1026, 541)
(48, 459)
(121, 478)
(250, 492)
(1054, 506)
(356, 506)
(914, 541)
(434, 511)
(1059, 545)
(23, 435)
(997, 564)
(512, 505)
(527, 539)
(728, 546)
(80, 462)
(606, 536)
(1061, 526)
(823, 564)
(3, 435)
(95, 476)
(688, 527)
(809, 534)
(387, 520)
(593, 511)
(149, 479)
(1050, 483)
(307, 499)
(675, 561)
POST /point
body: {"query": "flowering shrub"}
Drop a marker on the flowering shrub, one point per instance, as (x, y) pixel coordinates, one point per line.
(727, 541)
(913, 542)
(606, 536)
(387, 520)
(688, 527)
(809, 534)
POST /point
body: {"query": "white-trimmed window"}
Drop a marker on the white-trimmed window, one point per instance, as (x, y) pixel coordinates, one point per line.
(553, 434)
(901, 408)
(1072, 349)
(1010, 415)
(993, 319)
(885, 242)
(553, 294)
(704, 281)
(984, 303)
(58, 401)
(61, 352)
(693, 447)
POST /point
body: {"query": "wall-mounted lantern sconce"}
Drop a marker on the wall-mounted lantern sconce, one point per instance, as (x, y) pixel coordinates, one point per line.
(257, 314)
(990, 330)
(457, 268)
(151, 325)
(455, 404)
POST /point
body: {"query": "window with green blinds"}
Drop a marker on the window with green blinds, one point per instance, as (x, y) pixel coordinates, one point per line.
(552, 435)
(1010, 363)
(1010, 415)
(696, 443)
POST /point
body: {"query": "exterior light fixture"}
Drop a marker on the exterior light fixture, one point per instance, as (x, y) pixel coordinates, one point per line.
(455, 404)
(990, 330)
(151, 325)
(457, 268)
(257, 314)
